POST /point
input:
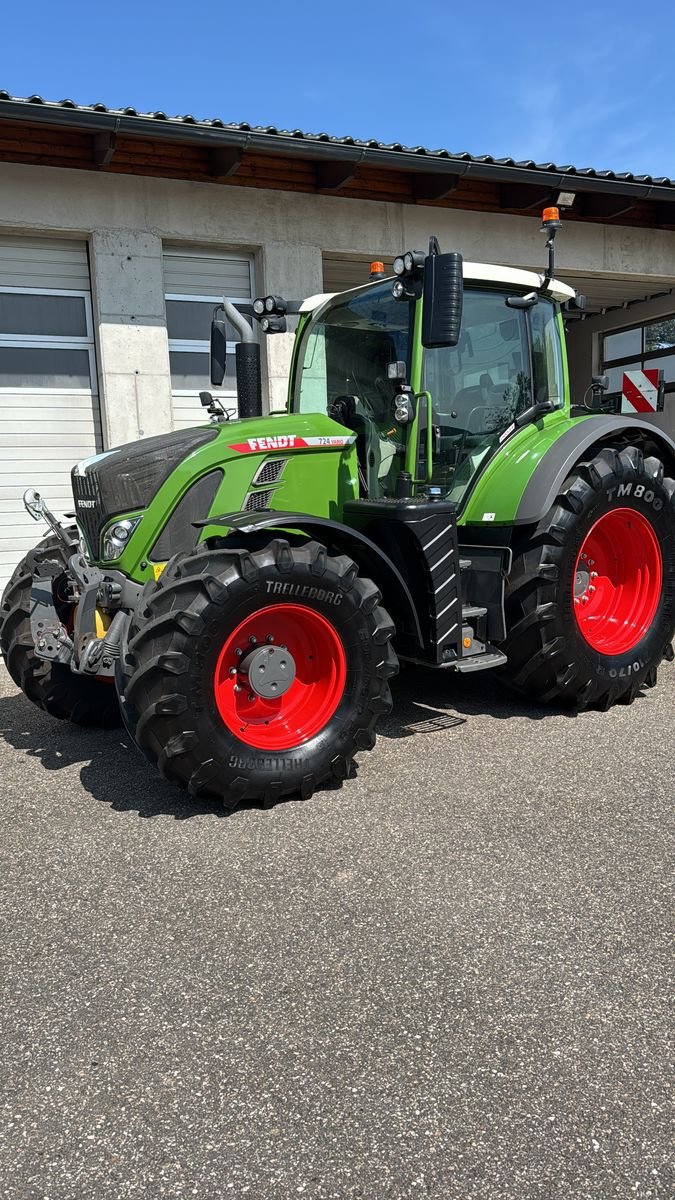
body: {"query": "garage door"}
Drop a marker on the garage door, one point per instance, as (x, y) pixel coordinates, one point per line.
(194, 280)
(49, 413)
(340, 273)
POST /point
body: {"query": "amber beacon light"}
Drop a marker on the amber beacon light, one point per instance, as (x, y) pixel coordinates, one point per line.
(551, 218)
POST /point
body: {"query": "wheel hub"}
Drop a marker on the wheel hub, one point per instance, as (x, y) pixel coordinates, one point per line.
(280, 676)
(267, 671)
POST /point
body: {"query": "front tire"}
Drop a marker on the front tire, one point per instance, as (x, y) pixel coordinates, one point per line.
(53, 687)
(196, 691)
(590, 603)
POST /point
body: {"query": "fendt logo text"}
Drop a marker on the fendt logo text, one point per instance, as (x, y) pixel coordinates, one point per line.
(86, 503)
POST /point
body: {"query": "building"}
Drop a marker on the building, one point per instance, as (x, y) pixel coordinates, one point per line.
(118, 230)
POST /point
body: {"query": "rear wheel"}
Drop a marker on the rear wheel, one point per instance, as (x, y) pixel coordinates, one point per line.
(591, 597)
(52, 686)
(250, 675)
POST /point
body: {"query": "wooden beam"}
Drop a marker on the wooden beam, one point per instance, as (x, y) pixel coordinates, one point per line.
(604, 205)
(333, 175)
(432, 186)
(104, 148)
(523, 197)
(664, 214)
(225, 160)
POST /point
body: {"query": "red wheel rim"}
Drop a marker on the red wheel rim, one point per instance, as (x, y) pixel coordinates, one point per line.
(617, 581)
(320, 672)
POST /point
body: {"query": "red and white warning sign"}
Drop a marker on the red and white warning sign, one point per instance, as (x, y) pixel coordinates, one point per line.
(640, 391)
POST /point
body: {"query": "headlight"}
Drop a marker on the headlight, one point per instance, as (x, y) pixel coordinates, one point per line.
(399, 265)
(117, 536)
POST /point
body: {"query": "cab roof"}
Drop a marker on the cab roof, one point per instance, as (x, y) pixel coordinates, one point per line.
(476, 273)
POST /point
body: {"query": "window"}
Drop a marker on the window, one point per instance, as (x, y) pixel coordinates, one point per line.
(46, 340)
(641, 347)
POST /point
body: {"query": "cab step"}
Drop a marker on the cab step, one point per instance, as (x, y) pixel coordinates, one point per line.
(464, 564)
(472, 612)
(481, 662)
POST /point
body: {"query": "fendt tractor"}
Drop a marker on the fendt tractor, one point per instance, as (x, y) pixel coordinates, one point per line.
(242, 592)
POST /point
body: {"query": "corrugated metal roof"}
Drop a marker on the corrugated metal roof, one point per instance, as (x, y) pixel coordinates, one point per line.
(264, 137)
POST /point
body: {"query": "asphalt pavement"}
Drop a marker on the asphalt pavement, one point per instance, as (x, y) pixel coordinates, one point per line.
(449, 979)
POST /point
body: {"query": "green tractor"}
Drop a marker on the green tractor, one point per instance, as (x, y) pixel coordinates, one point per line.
(242, 592)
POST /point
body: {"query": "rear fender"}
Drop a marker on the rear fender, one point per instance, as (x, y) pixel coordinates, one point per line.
(590, 433)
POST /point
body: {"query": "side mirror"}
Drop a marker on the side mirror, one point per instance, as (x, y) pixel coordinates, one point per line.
(442, 300)
(218, 351)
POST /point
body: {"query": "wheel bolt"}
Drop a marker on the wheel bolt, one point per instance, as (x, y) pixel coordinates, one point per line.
(591, 588)
(594, 574)
(237, 687)
(584, 599)
(238, 652)
(233, 670)
(270, 637)
(576, 600)
(591, 562)
(251, 697)
(253, 641)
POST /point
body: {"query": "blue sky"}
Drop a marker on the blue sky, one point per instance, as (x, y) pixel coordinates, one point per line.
(584, 83)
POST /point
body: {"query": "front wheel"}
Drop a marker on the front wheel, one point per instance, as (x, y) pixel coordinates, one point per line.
(590, 603)
(249, 675)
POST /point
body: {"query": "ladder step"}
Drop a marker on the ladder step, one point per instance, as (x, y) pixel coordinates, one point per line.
(464, 564)
(481, 662)
(472, 612)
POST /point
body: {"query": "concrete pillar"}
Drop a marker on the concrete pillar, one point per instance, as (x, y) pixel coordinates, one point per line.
(130, 323)
(293, 270)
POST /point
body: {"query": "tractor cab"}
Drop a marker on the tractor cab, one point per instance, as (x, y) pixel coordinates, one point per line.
(432, 415)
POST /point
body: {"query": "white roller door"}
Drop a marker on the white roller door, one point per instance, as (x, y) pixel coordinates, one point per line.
(340, 273)
(194, 280)
(49, 412)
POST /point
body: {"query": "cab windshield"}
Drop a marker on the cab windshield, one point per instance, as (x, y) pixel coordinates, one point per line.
(343, 360)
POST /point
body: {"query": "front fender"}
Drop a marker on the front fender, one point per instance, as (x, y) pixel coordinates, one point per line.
(372, 561)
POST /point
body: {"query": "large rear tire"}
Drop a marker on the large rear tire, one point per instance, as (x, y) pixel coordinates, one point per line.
(53, 687)
(251, 675)
(590, 602)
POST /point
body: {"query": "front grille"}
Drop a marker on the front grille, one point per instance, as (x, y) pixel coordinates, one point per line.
(257, 500)
(270, 471)
(89, 509)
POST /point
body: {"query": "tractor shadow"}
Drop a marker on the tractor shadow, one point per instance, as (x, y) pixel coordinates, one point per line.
(110, 768)
(428, 701)
(112, 771)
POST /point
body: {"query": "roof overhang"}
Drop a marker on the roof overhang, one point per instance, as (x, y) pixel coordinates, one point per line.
(344, 165)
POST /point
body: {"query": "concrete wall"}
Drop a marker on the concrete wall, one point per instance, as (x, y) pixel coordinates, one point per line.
(126, 218)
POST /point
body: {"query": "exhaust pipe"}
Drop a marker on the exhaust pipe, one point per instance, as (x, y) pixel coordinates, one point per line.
(247, 358)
